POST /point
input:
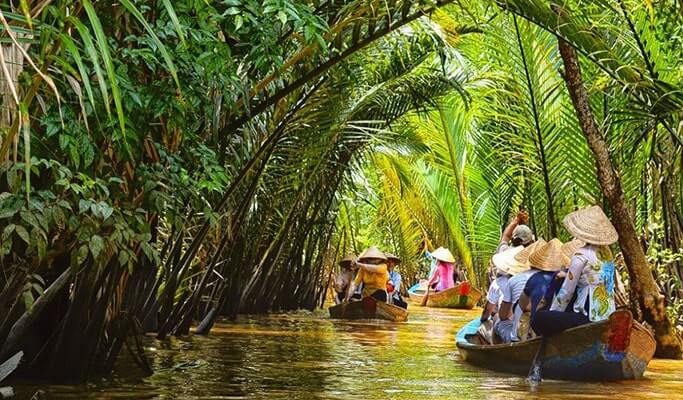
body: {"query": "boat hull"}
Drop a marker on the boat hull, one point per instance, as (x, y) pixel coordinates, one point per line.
(368, 308)
(455, 297)
(615, 349)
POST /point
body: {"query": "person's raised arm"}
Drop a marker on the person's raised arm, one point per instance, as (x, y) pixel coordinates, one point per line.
(520, 218)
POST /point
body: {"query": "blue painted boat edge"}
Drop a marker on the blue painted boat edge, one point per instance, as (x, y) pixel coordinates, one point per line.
(469, 329)
(414, 288)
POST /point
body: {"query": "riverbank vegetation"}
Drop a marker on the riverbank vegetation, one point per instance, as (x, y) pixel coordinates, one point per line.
(165, 163)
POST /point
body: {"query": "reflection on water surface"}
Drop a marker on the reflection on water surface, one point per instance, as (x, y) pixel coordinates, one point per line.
(305, 355)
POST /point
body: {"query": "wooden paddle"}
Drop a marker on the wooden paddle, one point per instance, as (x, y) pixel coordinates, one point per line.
(536, 372)
(424, 299)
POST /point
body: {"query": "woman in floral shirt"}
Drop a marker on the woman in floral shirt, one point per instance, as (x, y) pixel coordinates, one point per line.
(587, 293)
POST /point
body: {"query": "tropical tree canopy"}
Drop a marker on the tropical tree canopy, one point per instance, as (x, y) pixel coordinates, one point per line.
(166, 162)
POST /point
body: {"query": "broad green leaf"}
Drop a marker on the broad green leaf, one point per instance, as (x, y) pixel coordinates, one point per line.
(96, 245)
(83, 205)
(81, 255)
(7, 232)
(23, 234)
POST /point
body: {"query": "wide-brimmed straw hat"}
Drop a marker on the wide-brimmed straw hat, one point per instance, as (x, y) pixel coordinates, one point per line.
(591, 225)
(549, 257)
(523, 256)
(444, 255)
(506, 263)
(348, 260)
(392, 257)
(372, 252)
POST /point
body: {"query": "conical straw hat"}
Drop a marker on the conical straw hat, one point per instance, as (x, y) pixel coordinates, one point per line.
(372, 252)
(444, 255)
(549, 257)
(392, 257)
(505, 261)
(570, 248)
(347, 260)
(523, 256)
(591, 225)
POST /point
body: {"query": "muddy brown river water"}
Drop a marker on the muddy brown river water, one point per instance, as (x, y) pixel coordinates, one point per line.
(306, 355)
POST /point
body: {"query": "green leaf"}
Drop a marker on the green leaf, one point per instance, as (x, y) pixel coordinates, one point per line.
(123, 257)
(82, 254)
(106, 210)
(85, 78)
(41, 246)
(90, 49)
(148, 250)
(96, 245)
(7, 232)
(174, 19)
(27, 296)
(164, 53)
(23, 234)
(109, 66)
(27, 12)
(282, 17)
(83, 205)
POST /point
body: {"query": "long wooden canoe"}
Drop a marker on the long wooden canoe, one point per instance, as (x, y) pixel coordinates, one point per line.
(615, 349)
(462, 295)
(369, 308)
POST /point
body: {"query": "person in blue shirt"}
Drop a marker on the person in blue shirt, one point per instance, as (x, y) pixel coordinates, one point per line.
(394, 280)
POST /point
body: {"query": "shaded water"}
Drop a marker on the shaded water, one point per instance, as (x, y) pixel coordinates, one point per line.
(306, 355)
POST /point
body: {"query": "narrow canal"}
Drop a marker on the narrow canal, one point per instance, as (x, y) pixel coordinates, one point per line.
(306, 356)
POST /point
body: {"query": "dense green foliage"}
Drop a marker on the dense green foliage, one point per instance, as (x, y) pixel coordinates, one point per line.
(164, 162)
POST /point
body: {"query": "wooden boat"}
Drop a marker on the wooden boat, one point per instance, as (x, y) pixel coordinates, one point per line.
(369, 308)
(614, 349)
(462, 295)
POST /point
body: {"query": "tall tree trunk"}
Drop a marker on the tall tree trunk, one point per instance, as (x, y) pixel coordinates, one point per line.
(647, 301)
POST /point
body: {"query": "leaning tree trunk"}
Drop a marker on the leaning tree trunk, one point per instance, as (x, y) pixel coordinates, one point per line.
(647, 301)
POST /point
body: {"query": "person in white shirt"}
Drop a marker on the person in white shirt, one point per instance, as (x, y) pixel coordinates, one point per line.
(503, 327)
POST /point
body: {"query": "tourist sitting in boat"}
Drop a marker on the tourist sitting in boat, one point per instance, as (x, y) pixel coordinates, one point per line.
(505, 266)
(372, 274)
(443, 275)
(590, 277)
(344, 278)
(540, 256)
(517, 233)
(541, 288)
(394, 283)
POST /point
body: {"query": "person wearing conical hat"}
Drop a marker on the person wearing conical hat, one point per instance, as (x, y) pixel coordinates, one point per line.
(540, 256)
(540, 288)
(443, 275)
(589, 278)
(344, 278)
(394, 283)
(373, 274)
(516, 233)
(505, 265)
